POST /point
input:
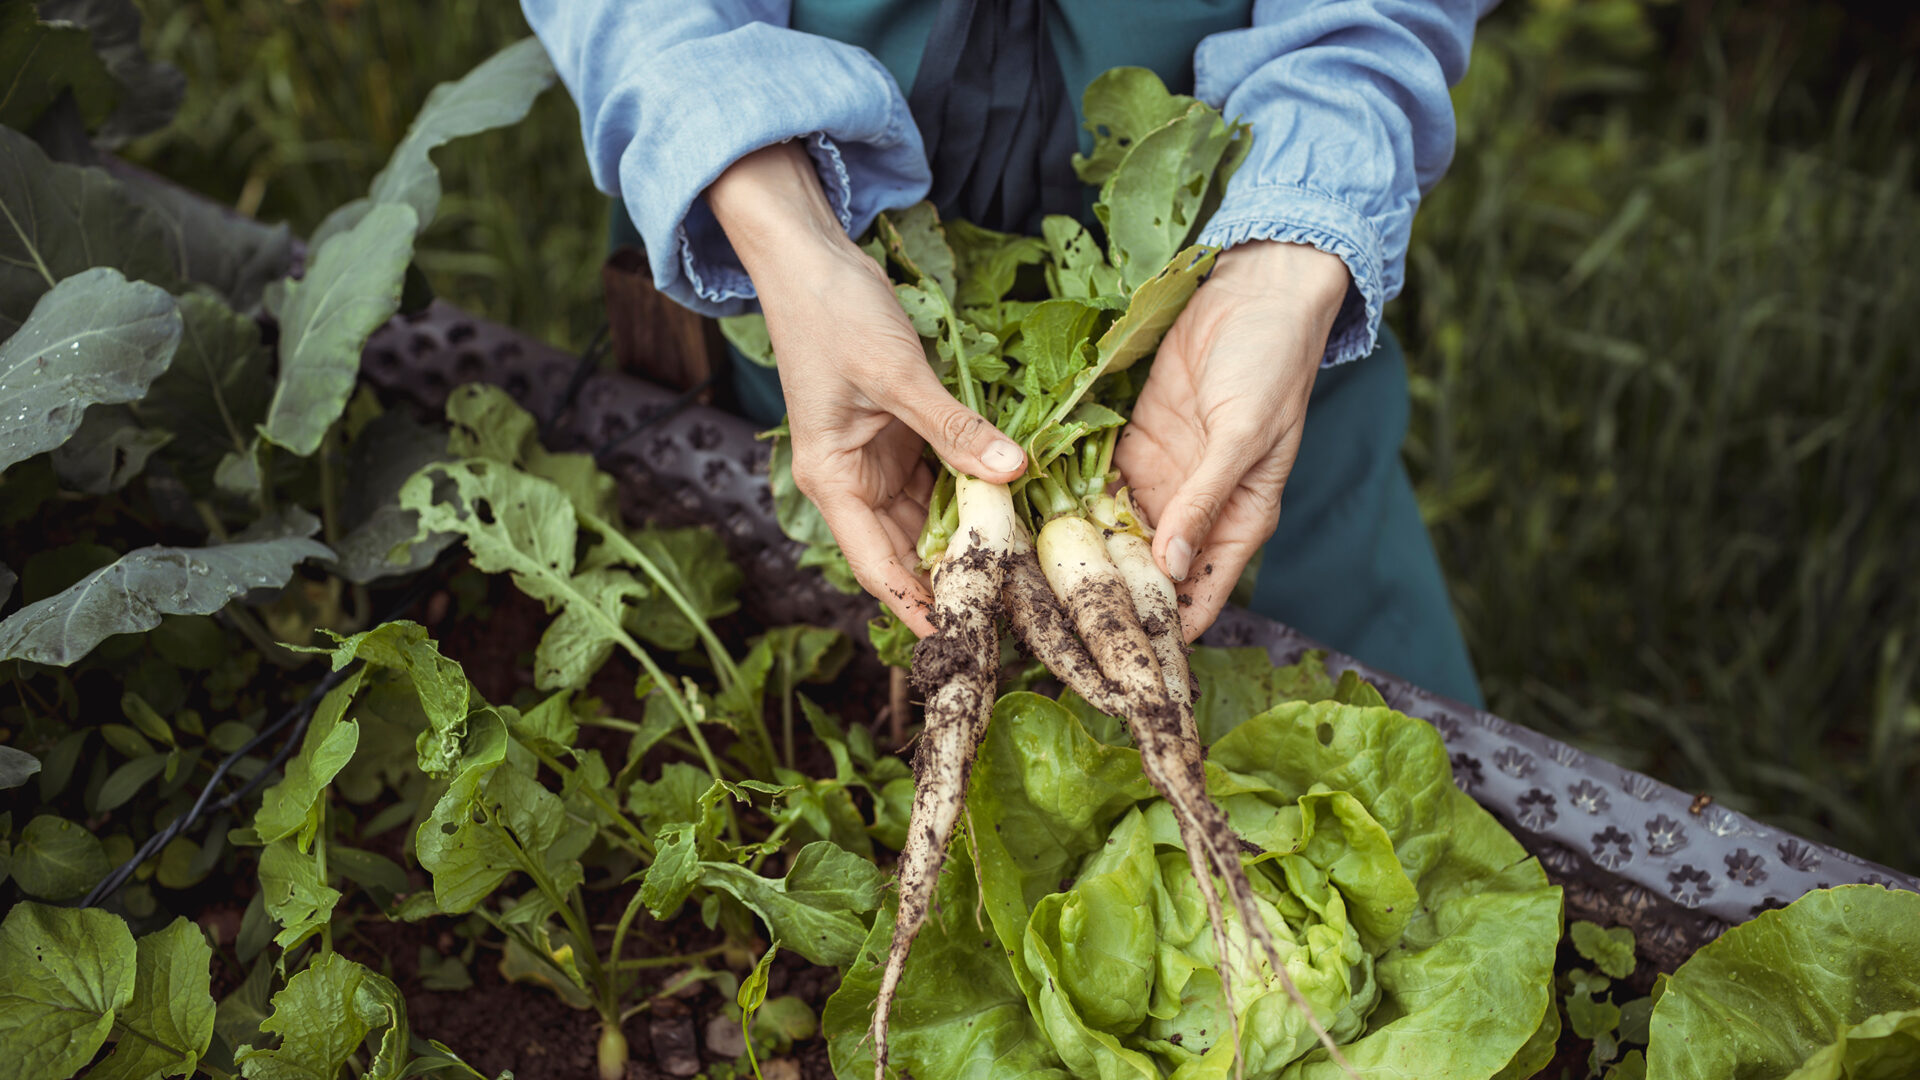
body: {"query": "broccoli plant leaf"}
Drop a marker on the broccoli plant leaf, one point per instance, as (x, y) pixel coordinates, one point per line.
(65, 974)
(45, 60)
(350, 290)
(495, 94)
(215, 390)
(94, 338)
(130, 595)
(109, 449)
(322, 1017)
(212, 244)
(382, 538)
(16, 765)
(167, 1025)
(150, 92)
(58, 220)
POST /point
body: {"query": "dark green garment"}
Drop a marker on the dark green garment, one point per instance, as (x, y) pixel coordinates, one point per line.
(1351, 563)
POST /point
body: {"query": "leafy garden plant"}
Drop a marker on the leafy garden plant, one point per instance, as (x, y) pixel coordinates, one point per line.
(203, 690)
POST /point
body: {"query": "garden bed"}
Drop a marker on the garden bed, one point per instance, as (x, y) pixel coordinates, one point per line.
(1629, 850)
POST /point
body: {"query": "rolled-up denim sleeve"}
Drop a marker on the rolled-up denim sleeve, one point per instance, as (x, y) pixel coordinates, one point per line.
(672, 92)
(1352, 123)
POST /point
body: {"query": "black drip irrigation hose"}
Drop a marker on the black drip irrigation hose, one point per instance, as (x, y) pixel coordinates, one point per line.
(297, 717)
(589, 359)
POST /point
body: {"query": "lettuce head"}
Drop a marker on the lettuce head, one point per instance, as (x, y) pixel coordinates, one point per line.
(1826, 988)
(1069, 937)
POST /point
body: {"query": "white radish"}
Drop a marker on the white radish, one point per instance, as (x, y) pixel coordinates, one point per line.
(958, 669)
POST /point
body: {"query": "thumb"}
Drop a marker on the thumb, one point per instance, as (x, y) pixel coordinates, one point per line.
(1189, 516)
(961, 437)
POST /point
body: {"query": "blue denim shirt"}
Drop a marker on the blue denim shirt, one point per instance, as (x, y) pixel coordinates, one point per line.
(1348, 100)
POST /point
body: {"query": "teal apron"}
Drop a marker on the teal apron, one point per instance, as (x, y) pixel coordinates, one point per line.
(1351, 563)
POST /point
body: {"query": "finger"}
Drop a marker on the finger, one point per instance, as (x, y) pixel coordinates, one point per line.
(961, 437)
(875, 560)
(1187, 521)
(1217, 569)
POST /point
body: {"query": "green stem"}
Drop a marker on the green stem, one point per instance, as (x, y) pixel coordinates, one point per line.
(320, 863)
(669, 961)
(329, 493)
(630, 552)
(786, 701)
(562, 905)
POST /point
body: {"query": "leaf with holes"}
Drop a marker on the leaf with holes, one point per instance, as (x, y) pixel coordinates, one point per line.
(95, 338)
(65, 974)
(322, 1017)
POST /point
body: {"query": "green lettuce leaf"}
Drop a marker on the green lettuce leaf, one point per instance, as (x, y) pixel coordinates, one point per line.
(1420, 930)
(1825, 988)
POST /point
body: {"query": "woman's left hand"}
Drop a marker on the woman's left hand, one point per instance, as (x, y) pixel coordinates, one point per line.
(1215, 433)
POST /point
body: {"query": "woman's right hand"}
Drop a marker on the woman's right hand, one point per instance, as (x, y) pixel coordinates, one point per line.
(861, 399)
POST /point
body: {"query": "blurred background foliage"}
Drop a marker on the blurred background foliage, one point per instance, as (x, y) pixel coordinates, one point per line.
(1663, 313)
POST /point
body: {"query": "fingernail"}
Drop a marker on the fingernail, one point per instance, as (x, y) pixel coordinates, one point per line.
(1179, 559)
(1002, 456)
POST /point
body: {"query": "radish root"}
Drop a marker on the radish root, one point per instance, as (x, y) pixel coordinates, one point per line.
(957, 668)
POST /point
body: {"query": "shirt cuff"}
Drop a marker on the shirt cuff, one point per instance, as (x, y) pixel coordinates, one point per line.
(851, 117)
(1296, 215)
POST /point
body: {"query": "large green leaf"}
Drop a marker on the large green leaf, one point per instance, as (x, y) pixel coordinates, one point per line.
(55, 859)
(57, 220)
(212, 244)
(322, 1017)
(150, 92)
(42, 61)
(16, 765)
(351, 288)
(166, 1027)
(65, 974)
(495, 94)
(95, 338)
(1824, 989)
(131, 595)
(215, 390)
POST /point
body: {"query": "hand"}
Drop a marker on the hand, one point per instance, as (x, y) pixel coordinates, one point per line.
(861, 399)
(1218, 424)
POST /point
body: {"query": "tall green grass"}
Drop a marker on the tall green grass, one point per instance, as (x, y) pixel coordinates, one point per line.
(1666, 367)
(1668, 382)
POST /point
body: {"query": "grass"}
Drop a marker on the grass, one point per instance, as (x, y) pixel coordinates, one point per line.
(1662, 317)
